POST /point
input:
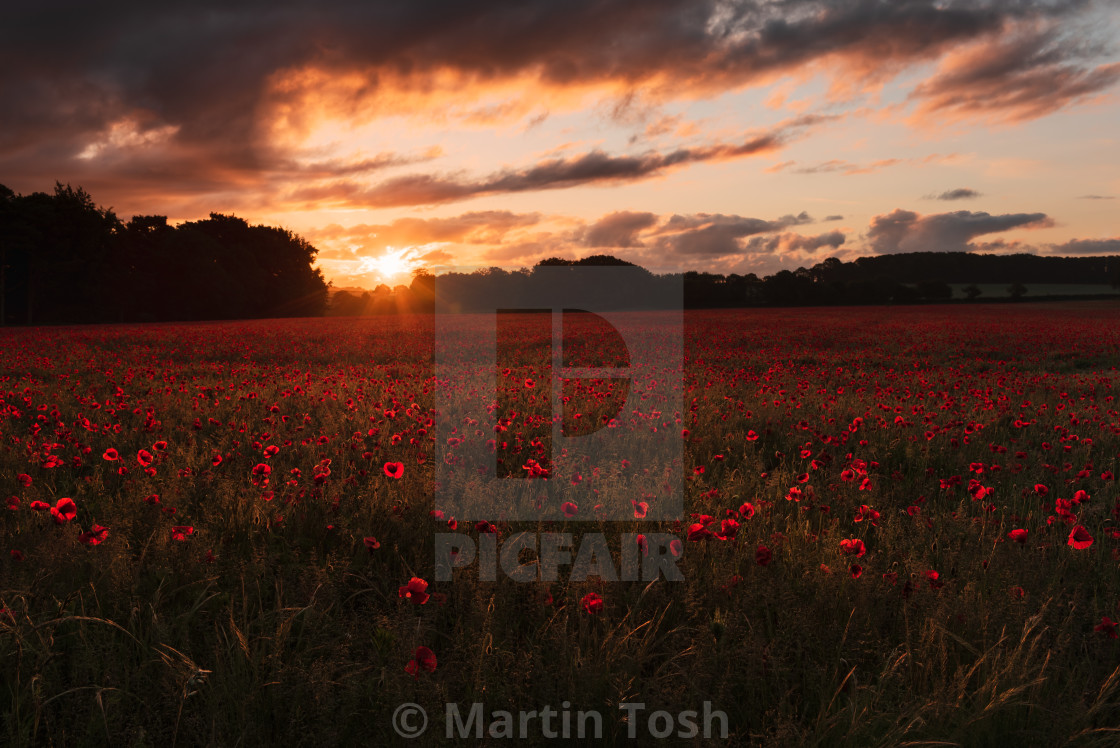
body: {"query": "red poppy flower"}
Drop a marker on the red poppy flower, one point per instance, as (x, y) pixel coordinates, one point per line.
(746, 511)
(144, 457)
(64, 511)
(16, 555)
(13, 503)
(853, 547)
(751, 436)
(676, 547)
(24, 479)
(394, 469)
(271, 451)
(216, 460)
(371, 543)
(40, 506)
(866, 512)
(935, 582)
(640, 509)
(763, 555)
(856, 571)
(94, 535)
(1080, 538)
(159, 446)
(1107, 627)
(643, 545)
(1019, 536)
(415, 591)
(592, 603)
(111, 454)
(260, 474)
(569, 509)
(181, 532)
(422, 659)
(697, 532)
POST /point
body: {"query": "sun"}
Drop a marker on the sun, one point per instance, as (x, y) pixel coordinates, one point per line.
(394, 266)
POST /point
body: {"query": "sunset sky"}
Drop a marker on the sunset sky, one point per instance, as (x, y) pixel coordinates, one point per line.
(679, 134)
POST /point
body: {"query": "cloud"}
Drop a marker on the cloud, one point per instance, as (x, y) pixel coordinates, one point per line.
(211, 89)
(788, 242)
(847, 168)
(906, 231)
(715, 235)
(664, 243)
(1096, 197)
(960, 193)
(618, 229)
(1086, 247)
(1030, 69)
(826, 219)
(594, 167)
(475, 227)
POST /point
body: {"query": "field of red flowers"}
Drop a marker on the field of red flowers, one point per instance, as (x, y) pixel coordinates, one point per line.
(901, 527)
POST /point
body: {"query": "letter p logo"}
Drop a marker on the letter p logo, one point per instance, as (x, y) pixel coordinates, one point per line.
(560, 397)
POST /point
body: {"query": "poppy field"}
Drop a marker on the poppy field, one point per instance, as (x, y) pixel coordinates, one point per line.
(901, 526)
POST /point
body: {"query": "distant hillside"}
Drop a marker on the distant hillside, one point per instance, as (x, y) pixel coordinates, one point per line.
(966, 267)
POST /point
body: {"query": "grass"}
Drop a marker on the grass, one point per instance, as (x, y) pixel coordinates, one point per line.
(295, 630)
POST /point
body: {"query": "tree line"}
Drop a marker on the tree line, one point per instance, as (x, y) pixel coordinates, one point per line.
(920, 277)
(64, 259)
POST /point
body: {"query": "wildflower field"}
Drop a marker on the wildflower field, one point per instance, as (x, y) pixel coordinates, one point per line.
(901, 527)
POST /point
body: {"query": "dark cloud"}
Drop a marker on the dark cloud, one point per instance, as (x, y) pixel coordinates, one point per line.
(594, 167)
(906, 231)
(210, 72)
(716, 235)
(1032, 69)
(960, 193)
(826, 219)
(618, 229)
(788, 242)
(1096, 197)
(1086, 247)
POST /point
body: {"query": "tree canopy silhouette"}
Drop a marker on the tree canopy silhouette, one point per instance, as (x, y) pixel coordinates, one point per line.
(64, 259)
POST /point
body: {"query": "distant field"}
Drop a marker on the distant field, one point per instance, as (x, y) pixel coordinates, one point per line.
(999, 290)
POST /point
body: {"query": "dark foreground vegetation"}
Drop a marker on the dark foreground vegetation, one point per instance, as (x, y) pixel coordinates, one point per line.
(900, 528)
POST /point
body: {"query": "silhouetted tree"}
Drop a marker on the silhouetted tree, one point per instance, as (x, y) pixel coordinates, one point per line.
(971, 292)
(935, 290)
(64, 259)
